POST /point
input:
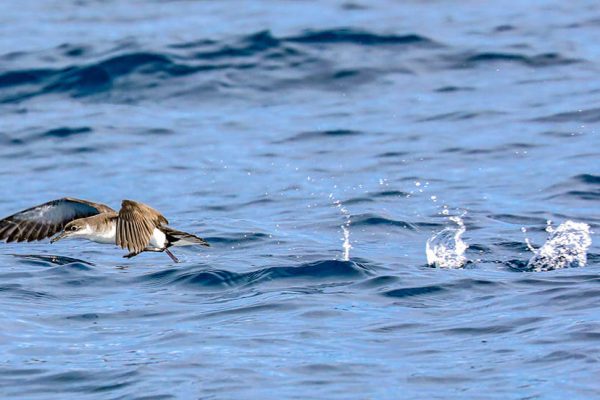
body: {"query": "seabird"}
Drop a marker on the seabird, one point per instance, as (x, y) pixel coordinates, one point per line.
(136, 227)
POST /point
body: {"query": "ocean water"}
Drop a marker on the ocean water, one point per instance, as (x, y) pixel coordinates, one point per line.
(401, 198)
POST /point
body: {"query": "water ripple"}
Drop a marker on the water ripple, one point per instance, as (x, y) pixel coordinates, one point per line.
(539, 60)
(365, 220)
(353, 36)
(210, 278)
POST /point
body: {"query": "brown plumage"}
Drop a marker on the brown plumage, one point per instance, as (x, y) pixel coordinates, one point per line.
(136, 227)
(136, 224)
(46, 220)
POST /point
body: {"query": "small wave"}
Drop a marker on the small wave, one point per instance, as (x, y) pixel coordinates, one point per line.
(377, 282)
(65, 132)
(126, 63)
(88, 79)
(17, 291)
(446, 248)
(57, 133)
(457, 116)
(565, 248)
(371, 197)
(472, 285)
(517, 219)
(390, 193)
(84, 381)
(394, 154)
(469, 152)
(439, 294)
(582, 187)
(504, 28)
(414, 291)
(588, 179)
(317, 270)
(248, 46)
(559, 134)
(326, 134)
(353, 36)
(496, 150)
(193, 44)
(238, 238)
(358, 200)
(24, 77)
(209, 278)
(581, 194)
(157, 131)
(50, 260)
(327, 79)
(591, 115)
(126, 68)
(286, 47)
(451, 89)
(70, 50)
(374, 220)
(92, 78)
(539, 60)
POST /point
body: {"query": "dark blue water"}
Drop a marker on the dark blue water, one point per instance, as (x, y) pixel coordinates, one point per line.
(267, 126)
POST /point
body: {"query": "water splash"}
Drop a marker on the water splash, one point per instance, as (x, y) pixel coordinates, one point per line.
(446, 249)
(549, 229)
(346, 246)
(565, 248)
(527, 241)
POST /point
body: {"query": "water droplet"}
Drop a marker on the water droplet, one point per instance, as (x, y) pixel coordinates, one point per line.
(346, 246)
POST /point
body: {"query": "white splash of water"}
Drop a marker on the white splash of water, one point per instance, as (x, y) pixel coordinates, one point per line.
(565, 248)
(446, 249)
(346, 246)
(527, 241)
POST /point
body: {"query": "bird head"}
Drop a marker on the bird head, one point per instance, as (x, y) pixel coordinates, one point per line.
(72, 229)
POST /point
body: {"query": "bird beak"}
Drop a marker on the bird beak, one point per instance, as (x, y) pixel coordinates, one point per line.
(58, 237)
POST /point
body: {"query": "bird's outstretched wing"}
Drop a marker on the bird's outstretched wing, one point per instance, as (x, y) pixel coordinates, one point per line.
(136, 224)
(46, 220)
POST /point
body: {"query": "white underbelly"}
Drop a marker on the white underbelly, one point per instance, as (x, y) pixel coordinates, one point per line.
(108, 236)
(158, 240)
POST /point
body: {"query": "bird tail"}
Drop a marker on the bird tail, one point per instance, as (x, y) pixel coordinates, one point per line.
(179, 238)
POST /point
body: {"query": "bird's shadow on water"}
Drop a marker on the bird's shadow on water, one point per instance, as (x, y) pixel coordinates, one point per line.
(51, 259)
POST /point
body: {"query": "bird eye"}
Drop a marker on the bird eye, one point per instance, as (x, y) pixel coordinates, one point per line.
(72, 228)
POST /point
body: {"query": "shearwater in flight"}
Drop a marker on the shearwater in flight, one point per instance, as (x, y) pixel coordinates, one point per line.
(136, 227)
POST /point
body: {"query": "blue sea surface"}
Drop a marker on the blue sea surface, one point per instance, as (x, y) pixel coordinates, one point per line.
(318, 146)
